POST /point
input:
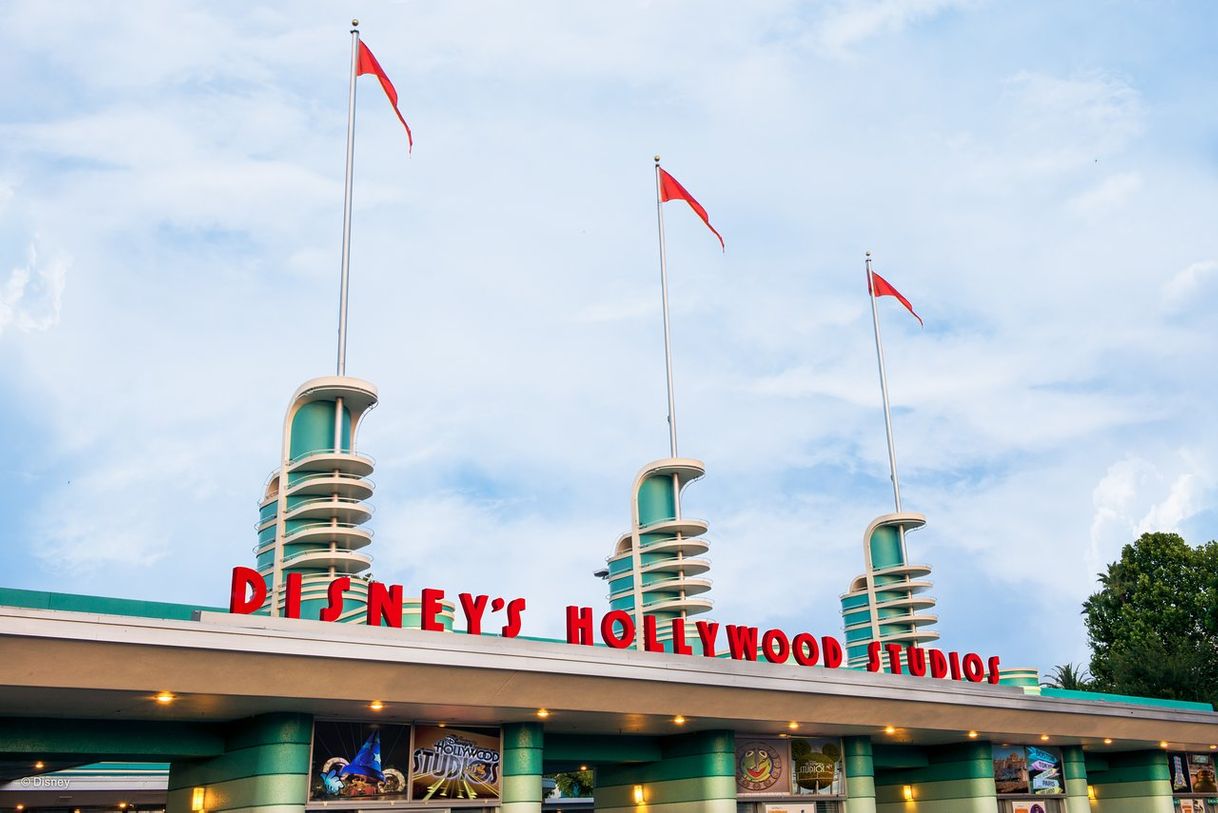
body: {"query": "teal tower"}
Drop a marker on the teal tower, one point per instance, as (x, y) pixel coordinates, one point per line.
(888, 602)
(312, 515)
(657, 567)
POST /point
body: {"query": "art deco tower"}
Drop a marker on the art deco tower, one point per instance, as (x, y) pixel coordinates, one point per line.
(656, 566)
(887, 603)
(312, 514)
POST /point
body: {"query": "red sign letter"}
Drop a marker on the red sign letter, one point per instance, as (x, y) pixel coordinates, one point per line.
(873, 657)
(679, 645)
(707, 630)
(334, 609)
(291, 603)
(775, 646)
(384, 604)
(832, 650)
(974, 669)
(610, 636)
(915, 658)
(807, 653)
(512, 628)
(994, 670)
(474, 607)
(651, 643)
(742, 642)
(430, 610)
(246, 578)
(579, 625)
(938, 664)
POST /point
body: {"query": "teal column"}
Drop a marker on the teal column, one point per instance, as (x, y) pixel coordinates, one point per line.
(1133, 782)
(264, 768)
(860, 774)
(696, 773)
(522, 752)
(1074, 768)
(956, 779)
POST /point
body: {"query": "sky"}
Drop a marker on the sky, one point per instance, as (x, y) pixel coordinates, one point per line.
(1038, 178)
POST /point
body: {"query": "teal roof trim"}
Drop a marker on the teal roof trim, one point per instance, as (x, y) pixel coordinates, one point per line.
(102, 605)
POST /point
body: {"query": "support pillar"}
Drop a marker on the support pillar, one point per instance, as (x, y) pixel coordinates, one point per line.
(956, 779)
(1132, 782)
(522, 752)
(264, 768)
(860, 774)
(696, 773)
(1074, 769)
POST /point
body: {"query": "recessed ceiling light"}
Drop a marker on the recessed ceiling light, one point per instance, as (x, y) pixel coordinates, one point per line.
(1214, 747)
(679, 720)
(543, 713)
(1044, 737)
(972, 735)
(1162, 743)
(792, 725)
(39, 765)
(376, 705)
(165, 698)
(890, 729)
(441, 725)
(583, 767)
(1108, 741)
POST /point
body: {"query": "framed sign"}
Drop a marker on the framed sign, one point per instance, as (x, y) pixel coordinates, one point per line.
(1010, 769)
(816, 766)
(761, 768)
(455, 763)
(359, 762)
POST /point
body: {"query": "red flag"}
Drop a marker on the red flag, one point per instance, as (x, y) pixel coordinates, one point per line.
(366, 63)
(671, 190)
(883, 288)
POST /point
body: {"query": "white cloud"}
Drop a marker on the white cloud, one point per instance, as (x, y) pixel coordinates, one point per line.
(32, 296)
(504, 289)
(849, 23)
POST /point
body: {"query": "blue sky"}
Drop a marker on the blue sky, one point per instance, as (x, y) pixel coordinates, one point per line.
(1038, 178)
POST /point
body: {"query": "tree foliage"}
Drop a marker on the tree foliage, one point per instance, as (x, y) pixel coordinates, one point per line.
(574, 784)
(1153, 625)
(1069, 676)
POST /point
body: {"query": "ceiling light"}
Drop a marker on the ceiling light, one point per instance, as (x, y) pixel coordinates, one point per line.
(678, 720)
(543, 713)
(792, 725)
(1214, 747)
(441, 725)
(972, 735)
(1044, 737)
(583, 767)
(165, 698)
(39, 765)
(376, 705)
(1162, 743)
(1108, 741)
(890, 729)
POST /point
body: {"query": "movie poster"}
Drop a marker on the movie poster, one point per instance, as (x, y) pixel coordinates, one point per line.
(366, 761)
(455, 763)
(1186, 806)
(816, 766)
(1045, 770)
(1177, 765)
(761, 767)
(1027, 807)
(1010, 769)
(1201, 773)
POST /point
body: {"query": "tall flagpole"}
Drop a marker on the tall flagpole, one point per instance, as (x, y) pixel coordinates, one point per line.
(342, 296)
(879, 354)
(672, 404)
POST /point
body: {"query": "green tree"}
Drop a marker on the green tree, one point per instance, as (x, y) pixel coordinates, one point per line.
(1069, 676)
(574, 784)
(1153, 625)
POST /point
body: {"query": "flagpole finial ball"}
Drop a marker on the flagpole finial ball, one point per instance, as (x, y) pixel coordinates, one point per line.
(355, 22)
(657, 159)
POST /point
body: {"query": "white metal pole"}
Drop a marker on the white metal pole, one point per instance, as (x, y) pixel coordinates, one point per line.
(342, 296)
(672, 404)
(879, 354)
